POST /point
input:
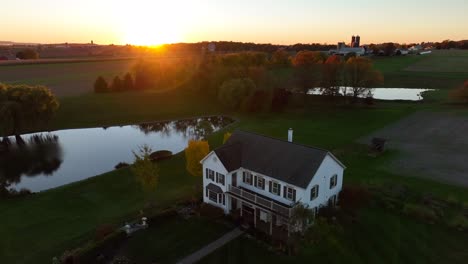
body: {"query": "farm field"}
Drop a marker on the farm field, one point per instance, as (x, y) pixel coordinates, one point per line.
(64, 79)
(439, 70)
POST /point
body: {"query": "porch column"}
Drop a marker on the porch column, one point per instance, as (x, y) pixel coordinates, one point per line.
(255, 216)
(271, 224)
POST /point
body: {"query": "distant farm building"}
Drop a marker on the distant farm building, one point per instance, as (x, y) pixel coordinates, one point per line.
(355, 47)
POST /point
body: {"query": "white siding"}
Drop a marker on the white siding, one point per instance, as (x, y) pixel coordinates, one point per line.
(212, 162)
(266, 192)
(327, 169)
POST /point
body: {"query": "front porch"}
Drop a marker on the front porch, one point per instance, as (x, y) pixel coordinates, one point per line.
(260, 213)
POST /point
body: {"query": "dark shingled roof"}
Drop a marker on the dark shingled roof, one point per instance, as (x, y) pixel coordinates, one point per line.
(289, 162)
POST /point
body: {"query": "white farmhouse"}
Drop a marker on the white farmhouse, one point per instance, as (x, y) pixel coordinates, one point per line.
(262, 179)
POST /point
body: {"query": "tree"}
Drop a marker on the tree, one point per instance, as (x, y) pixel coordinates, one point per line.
(301, 216)
(332, 76)
(145, 171)
(128, 84)
(226, 136)
(307, 66)
(360, 76)
(461, 93)
(194, 153)
(23, 104)
(117, 84)
(280, 58)
(350, 55)
(233, 92)
(27, 54)
(100, 85)
(389, 49)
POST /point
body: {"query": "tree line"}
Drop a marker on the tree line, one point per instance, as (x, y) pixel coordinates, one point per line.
(257, 81)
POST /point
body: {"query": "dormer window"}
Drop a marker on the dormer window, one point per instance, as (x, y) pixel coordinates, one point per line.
(289, 193)
(275, 188)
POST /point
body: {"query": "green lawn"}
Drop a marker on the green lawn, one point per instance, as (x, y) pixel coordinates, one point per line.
(376, 237)
(38, 227)
(172, 240)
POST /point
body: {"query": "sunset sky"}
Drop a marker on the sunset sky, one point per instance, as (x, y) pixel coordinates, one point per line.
(148, 22)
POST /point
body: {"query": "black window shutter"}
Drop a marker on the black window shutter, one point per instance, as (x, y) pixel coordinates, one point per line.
(206, 191)
(269, 186)
(284, 191)
(263, 184)
(206, 173)
(294, 195)
(217, 177)
(279, 189)
(255, 181)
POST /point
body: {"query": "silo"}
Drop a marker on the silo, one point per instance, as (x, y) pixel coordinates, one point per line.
(353, 40)
(358, 41)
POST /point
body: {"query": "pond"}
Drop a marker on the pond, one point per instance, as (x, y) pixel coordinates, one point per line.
(409, 94)
(41, 161)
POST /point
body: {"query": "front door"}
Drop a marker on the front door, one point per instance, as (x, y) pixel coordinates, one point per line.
(234, 179)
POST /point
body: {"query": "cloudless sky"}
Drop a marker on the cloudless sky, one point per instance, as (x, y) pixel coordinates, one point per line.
(262, 21)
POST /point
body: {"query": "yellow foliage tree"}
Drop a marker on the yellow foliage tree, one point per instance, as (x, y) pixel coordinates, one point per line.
(145, 171)
(227, 135)
(194, 153)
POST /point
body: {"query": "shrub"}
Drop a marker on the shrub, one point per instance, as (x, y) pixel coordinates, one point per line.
(103, 231)
(160, 155)
(421, 212)
(128, 84)
(100, 85)
(117, 85)
(121, 260)
(211, 211)
(354, 197)
(121, 165)
(459, 221)
(233, 92)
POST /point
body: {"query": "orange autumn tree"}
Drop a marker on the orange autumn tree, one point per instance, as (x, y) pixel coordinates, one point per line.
(194, 153)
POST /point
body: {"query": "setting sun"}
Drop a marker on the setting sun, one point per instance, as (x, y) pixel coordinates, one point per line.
(152, 24)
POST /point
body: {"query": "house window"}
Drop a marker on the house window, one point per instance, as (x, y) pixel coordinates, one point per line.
(263, 216)
(333, 181)
(260, 182)
(210, 174)
(247, 178)
(275, 188)
(289, 193)
(314, 192)
(220, 178)
(213, 196)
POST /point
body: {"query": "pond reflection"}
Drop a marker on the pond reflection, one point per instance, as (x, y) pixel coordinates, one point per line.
(39, 154)
(46, 160)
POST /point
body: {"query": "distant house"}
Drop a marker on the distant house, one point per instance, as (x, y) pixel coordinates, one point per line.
(262, 179)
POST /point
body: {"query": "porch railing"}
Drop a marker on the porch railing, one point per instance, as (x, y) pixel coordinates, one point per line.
(276, 207)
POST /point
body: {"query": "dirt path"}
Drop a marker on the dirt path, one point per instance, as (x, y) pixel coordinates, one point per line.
(433, 145)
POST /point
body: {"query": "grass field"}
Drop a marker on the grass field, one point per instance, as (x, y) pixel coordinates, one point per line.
(439, 70)
(64, 79)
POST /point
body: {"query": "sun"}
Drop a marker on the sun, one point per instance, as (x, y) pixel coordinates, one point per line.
(152, 24)
(151, 36)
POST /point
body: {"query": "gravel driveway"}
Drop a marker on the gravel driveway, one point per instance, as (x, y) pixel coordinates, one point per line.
(433, 145)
